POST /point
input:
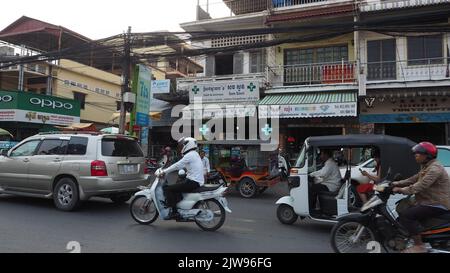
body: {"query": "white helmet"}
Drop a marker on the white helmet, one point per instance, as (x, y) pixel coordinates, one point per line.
(188, 143)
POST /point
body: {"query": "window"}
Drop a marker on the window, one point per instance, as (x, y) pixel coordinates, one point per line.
(121, 148)
(77, 146)
(381, 58)
(333, 54)
(224, 64)
(81, 97)
(444, 157)
(26, 149)
(51, 147)
(425, 50)
(257, 61)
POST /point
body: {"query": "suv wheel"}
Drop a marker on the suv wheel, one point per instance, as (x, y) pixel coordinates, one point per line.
(65, 194)
(120, 198)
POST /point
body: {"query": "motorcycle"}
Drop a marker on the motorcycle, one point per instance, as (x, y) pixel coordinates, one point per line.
(377, 225)
(205, 206)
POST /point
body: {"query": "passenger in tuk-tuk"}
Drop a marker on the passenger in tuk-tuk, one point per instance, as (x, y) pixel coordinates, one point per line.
(327, 179)
(365, 189)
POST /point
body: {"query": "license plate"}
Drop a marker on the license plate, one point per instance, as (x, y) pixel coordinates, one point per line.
(127, 169)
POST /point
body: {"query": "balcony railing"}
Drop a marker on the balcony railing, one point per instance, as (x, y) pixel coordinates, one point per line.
(410, 70)
(313, 74)
(376, 5)
(238, 7)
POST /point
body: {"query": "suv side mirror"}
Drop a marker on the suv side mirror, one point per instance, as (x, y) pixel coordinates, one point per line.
(4, 152)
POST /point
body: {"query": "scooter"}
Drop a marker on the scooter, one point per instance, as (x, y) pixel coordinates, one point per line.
(205, 206)
(376, 227)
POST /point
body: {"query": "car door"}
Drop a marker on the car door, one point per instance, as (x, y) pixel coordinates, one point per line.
(444, 158)
(45, 164)
(14, 167)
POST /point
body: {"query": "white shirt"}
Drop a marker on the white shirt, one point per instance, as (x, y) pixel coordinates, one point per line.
(330, 175)
(282, 162)
(206, 166)
(194, 166)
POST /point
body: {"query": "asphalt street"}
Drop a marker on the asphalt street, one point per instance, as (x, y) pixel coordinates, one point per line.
(35, 225)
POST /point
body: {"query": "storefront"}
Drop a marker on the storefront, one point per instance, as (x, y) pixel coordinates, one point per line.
(303, 115)
(25, 114)
(420, 116)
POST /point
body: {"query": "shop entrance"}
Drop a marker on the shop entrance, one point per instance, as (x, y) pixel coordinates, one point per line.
(418, 132)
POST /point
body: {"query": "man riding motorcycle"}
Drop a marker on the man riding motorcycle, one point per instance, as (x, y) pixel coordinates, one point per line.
(190, 161)
(431, 187)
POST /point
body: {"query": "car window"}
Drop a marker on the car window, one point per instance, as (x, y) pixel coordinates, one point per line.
(77, 146)
(444, 157)
(51, 147)
(26, 149)
(118, 147)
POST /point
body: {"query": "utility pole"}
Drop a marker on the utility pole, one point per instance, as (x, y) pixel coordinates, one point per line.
(125, 79)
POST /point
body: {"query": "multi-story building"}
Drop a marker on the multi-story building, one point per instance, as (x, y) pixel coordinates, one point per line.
(325, 80)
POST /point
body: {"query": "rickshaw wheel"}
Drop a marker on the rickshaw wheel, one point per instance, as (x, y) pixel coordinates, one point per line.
(247, 188)
(286, 214)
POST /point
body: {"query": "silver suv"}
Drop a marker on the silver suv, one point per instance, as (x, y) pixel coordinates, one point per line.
(74, 167)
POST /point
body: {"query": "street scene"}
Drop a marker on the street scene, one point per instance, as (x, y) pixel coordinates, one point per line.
(226, 126)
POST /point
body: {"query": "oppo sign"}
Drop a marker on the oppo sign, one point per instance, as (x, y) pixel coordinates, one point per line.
(6, 98)
(51, 103)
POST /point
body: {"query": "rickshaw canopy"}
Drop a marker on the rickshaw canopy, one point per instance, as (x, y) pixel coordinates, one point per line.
(395, 152)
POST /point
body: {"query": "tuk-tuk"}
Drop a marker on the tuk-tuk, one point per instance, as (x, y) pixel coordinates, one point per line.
(395, 156)
(244, 166)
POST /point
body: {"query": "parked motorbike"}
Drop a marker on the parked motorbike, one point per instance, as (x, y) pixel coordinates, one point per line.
(215, 178)
(205, 206)
(376, 224)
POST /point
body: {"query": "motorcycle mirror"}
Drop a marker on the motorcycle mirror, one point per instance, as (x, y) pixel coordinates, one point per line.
(182, 173)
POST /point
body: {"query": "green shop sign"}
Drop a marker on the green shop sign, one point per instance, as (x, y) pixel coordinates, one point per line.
(28, 107)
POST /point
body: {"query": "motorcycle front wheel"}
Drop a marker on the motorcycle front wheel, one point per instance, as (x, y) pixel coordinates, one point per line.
(218, 211)
(344, 238)
(143, 210)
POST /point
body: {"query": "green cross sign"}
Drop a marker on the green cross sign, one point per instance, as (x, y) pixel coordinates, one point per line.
(251, 87)
(195, 89)
(204, 129)
(267, 130)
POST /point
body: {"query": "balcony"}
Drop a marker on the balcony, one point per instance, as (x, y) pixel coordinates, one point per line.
(313, 74)
(229, 8)
(377, 5)
(433, 69)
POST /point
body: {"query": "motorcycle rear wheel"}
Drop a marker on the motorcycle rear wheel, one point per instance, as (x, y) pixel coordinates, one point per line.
(219, 214)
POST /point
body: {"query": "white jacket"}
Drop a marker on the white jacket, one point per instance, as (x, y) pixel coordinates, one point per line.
(330, 175)
(193, 165)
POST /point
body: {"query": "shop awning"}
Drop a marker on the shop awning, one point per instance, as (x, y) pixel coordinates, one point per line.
(217, 110)
(309, 105)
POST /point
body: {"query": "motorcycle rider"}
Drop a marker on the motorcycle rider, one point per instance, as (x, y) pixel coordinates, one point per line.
(190, 161)
(431, 187)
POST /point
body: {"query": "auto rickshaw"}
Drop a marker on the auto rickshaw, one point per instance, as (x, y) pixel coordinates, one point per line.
(395, 155)
(244, 166)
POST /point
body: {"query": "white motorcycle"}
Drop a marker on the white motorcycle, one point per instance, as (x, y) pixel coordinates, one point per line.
(205, 206)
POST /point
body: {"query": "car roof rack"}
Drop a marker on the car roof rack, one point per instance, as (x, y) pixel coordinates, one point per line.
(71, 133)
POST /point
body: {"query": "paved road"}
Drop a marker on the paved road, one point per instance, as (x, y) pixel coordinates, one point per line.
(34, 225)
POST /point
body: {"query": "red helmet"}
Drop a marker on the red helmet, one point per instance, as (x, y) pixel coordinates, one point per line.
(426, 148)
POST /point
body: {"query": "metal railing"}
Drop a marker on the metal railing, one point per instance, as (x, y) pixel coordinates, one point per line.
(376, 5)
(313, 74)
(409, 70)
(237, 7)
